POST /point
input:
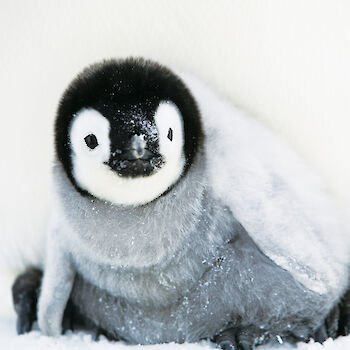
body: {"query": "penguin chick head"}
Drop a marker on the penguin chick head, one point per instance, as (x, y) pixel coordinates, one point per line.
(126, 131)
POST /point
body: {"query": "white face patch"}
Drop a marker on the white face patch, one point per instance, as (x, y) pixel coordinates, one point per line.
(90, 123)
(93, 175)
(170, 130)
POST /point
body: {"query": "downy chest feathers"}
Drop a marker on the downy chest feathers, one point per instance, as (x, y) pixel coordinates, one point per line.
(148, 254)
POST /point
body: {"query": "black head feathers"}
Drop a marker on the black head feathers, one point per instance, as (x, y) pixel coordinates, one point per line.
(126, 86)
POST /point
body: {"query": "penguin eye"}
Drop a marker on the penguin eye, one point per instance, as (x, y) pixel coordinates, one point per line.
(91, 141)
(170, 134)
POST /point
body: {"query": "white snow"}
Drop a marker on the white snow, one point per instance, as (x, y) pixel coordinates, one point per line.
(9, 340)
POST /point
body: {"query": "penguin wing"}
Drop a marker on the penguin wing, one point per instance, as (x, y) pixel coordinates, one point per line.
(281, 204)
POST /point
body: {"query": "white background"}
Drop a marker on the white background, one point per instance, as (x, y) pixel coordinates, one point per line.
(286, 62)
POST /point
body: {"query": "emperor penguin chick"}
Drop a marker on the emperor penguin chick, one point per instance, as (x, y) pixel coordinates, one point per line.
(178, 218)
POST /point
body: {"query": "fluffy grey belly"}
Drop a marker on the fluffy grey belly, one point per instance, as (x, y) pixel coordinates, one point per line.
(242, 288)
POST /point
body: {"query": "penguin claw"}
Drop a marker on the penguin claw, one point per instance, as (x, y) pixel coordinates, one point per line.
(236, 339)
(321, 334)
(246, 339)
(226, 340)
(226, 345)
(96, 334)
(245, 346)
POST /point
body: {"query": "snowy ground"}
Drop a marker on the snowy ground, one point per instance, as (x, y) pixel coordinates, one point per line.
(35, 341)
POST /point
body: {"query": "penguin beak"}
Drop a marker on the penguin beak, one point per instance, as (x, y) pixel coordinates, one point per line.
(138, 149)
(135, 160)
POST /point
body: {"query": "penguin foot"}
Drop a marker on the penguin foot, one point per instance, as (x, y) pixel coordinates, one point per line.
(226, 340)
(25, 291)
(305, 334)
(321, 334)
(236, 339)
(98, 332)
(329, 328)
(337, 322)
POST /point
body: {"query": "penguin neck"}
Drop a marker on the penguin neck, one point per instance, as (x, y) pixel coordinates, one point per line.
(132, 236)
